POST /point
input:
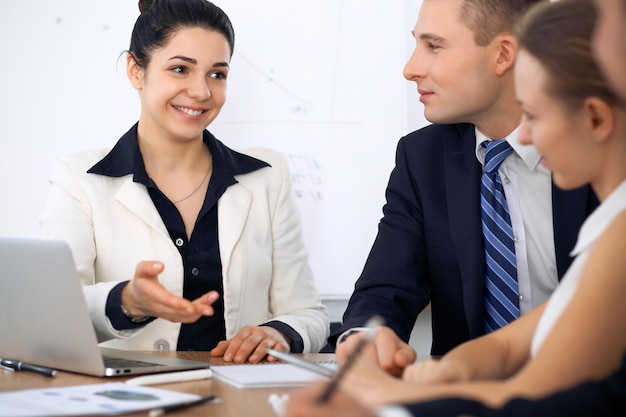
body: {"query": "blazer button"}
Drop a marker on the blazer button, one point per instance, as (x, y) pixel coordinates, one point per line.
(161, 345)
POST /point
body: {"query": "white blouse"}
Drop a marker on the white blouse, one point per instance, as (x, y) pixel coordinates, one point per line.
(591, 230)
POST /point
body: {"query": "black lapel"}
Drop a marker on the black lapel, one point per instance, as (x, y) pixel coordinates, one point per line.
(463, 172)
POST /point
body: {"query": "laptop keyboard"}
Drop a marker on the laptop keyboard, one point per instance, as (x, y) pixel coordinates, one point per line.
(118, 363)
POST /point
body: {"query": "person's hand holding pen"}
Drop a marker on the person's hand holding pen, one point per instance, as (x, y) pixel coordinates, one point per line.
(337, 397)
(304, 403)
(358, 393)
(372, 326)
(368, 383)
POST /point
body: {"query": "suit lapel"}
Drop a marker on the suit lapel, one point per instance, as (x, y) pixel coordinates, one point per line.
(233, 209)
(463, 173)
(135, 197)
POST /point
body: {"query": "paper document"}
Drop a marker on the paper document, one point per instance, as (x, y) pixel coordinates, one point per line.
(82, 400)
(265, 375)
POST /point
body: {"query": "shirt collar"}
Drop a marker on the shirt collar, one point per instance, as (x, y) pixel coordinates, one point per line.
(600, 219)
(125, 158)
(528, 153)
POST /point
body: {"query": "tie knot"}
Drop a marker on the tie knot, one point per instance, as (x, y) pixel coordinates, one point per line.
(496, 153)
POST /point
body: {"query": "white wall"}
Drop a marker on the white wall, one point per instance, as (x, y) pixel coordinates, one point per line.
(318, 80)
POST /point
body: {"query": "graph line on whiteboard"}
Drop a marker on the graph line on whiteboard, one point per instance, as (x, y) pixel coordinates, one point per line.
(293, 122)
(271, 79)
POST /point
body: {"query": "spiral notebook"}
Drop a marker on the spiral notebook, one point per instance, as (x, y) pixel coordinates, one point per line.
(269, 375)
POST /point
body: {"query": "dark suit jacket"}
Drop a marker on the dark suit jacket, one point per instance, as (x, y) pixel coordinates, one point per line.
(590, 399)
(429, 246)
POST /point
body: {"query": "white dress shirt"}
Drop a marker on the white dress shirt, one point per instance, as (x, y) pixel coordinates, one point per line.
(528, 190)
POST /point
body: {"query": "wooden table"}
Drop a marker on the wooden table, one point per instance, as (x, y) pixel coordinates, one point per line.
(234, 402)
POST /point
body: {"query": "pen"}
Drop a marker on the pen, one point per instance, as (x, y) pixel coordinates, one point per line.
(371, 324)
(23, 366)
(164, 378)
(6, 368)
(175, 407)
(303, 363)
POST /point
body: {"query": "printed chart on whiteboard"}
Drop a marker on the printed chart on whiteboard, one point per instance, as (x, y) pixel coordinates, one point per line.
(322, 83)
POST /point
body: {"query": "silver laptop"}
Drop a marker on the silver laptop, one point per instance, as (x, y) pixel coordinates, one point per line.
(44, 318)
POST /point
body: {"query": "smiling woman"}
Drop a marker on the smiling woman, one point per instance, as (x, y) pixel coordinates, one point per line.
(302, 81)
(182, 89)
(180, 241)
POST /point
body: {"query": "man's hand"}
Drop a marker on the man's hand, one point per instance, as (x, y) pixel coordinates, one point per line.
(387, 350)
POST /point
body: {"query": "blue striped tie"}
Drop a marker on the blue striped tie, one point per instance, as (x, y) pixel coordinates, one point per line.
(501, 290)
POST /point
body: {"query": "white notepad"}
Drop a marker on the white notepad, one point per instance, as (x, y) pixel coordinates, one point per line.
(268, 375)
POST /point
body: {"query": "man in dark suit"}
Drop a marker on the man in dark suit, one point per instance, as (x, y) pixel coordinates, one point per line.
(429, 247)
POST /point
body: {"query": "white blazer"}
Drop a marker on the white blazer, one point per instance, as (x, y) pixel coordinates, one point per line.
(111, 224)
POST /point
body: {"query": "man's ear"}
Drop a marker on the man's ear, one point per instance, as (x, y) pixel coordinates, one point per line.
(600, 117)
(505, 46)
(133, 71)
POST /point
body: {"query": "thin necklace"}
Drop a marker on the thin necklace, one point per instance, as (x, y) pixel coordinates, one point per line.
(197, 188)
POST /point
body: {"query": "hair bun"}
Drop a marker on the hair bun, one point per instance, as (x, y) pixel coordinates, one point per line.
(144, 5)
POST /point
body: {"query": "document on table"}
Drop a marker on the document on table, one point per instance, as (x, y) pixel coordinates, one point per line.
(266, 375)
(81, 400)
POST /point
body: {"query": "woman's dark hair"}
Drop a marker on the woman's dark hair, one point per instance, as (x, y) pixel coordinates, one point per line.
(558, 34)
(161, 19)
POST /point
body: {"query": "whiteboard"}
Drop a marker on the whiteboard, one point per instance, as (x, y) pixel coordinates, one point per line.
(320, 81)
